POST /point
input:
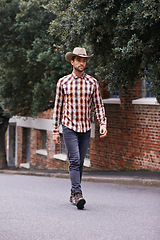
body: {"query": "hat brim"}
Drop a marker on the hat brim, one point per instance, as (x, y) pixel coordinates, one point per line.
(69, 56)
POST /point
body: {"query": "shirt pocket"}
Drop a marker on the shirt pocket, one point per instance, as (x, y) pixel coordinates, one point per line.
(68, 92)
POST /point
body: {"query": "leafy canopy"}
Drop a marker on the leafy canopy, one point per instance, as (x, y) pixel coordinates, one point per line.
(123, 34)
(30, 65)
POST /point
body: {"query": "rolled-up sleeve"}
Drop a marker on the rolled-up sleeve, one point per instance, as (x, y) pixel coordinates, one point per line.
(57, 112)
(99, 107)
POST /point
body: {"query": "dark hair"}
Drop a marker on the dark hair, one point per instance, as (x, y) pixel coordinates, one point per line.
(73, 58)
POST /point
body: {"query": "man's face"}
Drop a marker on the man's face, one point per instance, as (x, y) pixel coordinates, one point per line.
(79, 63)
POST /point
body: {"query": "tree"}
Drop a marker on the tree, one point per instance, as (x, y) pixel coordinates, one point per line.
(28, 57)
(124, 35)
(3, 127)
(30, 63)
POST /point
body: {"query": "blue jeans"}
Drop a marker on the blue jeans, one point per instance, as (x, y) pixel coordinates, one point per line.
(76, 144)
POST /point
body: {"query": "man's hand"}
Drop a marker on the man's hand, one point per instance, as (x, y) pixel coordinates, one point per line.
(103, 131)
(56, 139)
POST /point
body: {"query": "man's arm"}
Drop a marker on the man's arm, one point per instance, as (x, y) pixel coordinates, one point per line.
(57, 113)
(100, 111)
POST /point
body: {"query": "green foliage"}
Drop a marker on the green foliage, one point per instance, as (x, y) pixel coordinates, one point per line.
(124, 36)
(30, 64)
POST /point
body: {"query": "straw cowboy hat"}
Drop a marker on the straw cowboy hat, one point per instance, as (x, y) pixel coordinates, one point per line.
(81, 52)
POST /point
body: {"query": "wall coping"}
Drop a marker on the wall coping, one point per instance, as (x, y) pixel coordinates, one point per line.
(112, 101)
(140, 101)
(40, 124)
(146, 101)
(60, 156)
(36, 123)
(42, 152)
(25, 165)
(63, 157)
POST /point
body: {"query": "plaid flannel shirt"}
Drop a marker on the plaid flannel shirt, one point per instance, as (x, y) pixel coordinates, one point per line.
(73, 103)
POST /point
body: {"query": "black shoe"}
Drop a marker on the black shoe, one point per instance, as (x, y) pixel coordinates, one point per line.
(80, 201)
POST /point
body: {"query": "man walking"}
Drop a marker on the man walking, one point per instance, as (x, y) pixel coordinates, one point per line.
(75, 95)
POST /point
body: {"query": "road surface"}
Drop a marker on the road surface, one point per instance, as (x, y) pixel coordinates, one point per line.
(38, 208)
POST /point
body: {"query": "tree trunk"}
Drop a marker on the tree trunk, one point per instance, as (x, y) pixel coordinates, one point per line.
(3, 128)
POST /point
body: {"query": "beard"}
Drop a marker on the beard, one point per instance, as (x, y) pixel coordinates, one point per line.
(78, 69)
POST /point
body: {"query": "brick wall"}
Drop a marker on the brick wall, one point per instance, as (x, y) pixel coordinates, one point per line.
(33, 148)
(39, 161)
(133, 140)
(21, 145)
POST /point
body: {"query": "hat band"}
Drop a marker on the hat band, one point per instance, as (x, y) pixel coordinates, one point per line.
(81, 55)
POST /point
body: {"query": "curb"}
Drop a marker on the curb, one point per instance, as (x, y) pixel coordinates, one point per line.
(125, 181)
(137, 181)
(33, 173)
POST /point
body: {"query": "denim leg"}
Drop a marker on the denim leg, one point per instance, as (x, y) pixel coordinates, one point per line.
(71, 142)
(76, 144)
(84, 139)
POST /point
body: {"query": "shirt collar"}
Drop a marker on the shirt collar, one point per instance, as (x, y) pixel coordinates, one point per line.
(76, 77)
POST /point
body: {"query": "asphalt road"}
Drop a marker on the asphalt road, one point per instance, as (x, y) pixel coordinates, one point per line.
(38, 208)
